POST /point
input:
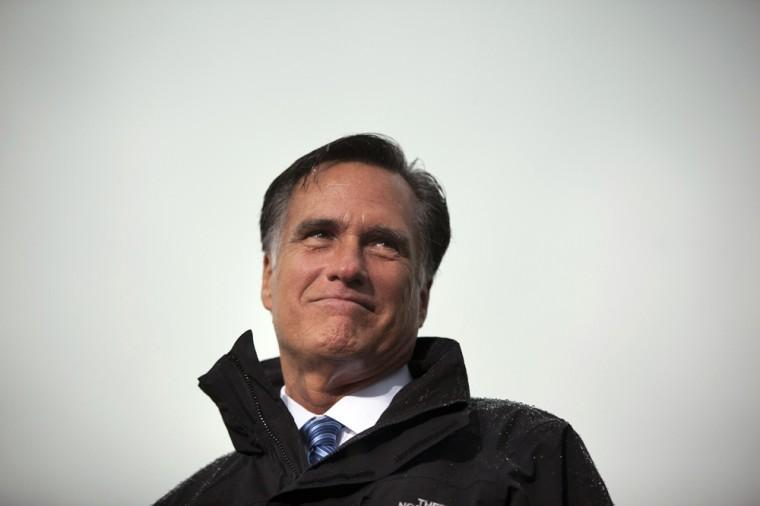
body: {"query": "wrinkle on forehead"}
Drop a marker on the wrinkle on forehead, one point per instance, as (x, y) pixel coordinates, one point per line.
(347, 218)
(342, 190)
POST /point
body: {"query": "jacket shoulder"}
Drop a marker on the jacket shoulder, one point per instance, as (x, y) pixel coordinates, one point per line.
(514, 413)
(188, 491)
(543, 448)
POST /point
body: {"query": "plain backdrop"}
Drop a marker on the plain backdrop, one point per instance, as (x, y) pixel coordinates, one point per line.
(602, 163)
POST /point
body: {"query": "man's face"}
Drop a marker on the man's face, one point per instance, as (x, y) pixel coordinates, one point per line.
(344, 284)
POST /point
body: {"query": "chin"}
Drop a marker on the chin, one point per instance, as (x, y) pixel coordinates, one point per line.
(338, 341)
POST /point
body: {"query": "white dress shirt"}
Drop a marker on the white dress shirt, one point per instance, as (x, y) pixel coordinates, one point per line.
(357, 411)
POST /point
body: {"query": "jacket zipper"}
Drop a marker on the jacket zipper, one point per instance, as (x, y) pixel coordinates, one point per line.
(272, 435)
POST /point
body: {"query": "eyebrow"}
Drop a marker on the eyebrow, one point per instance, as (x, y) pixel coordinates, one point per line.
(311, 225)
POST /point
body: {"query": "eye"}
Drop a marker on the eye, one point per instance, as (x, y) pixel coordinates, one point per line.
(387, 243)
(384, 244)
(384, 248)
(317, 236)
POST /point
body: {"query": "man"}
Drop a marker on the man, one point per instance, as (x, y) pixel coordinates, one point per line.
(357, 409)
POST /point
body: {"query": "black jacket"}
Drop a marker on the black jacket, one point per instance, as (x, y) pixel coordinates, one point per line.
(434, 445)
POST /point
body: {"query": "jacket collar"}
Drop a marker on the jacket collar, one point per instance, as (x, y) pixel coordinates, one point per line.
(246, 391)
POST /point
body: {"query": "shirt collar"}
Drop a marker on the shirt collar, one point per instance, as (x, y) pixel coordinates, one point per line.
(359, 410)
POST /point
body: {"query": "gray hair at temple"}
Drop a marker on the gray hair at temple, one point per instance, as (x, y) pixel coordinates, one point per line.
(432, 214)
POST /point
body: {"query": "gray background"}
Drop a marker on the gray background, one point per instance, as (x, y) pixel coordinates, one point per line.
(601, 160)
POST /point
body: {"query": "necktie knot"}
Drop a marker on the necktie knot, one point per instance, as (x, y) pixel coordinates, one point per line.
(321, 433)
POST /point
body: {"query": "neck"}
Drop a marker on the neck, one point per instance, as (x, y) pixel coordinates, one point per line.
(318, 388)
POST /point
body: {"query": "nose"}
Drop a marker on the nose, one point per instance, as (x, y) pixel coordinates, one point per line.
(347, 264)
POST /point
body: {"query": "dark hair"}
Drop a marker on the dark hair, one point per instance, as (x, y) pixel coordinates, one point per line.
(432, 213)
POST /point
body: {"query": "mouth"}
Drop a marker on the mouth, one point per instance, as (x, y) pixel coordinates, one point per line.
(347, 300)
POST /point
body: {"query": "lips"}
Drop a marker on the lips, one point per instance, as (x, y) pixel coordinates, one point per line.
(356, 299)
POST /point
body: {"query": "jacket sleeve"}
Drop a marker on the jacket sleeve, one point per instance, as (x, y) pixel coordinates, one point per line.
(560, 470)
(583, 484)
(190, 491)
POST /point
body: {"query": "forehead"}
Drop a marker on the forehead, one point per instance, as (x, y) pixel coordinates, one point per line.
(353, 192)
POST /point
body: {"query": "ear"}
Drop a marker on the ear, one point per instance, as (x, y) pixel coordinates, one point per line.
(266, 280)
(424, 299)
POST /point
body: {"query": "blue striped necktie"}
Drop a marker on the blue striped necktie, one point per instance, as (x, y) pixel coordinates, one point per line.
(321, 433)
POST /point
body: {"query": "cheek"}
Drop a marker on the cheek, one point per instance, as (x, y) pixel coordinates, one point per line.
(290, 279)
(399, 288)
